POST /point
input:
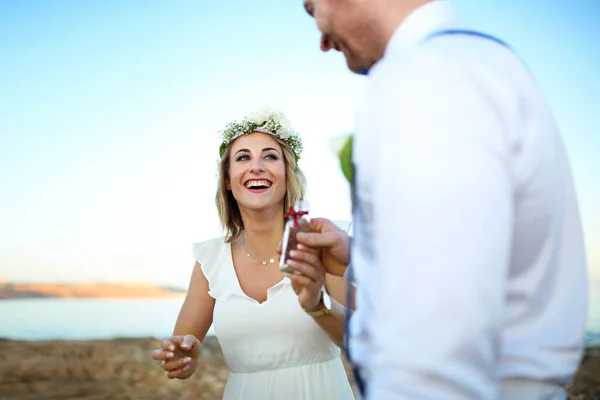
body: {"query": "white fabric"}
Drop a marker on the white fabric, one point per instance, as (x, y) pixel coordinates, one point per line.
(468, 249)
(273, 349)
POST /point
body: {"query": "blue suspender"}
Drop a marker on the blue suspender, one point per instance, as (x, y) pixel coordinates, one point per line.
(365, 71)
(467, 32)
(360, 383)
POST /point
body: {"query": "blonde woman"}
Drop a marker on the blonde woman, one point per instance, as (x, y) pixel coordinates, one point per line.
(280, 335)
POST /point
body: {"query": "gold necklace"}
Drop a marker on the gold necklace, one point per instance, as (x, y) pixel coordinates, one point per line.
(270, 261)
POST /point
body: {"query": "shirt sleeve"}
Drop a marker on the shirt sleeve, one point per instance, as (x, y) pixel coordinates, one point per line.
(442, 201)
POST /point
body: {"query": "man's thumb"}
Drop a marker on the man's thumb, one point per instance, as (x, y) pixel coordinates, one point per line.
(318, 240)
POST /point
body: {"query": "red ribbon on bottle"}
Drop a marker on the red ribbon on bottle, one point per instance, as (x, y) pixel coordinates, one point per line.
(294, 214)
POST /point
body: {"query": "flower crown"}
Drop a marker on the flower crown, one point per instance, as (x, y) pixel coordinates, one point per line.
(272, 122)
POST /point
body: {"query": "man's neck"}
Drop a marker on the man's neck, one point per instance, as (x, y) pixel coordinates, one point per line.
(392, 13)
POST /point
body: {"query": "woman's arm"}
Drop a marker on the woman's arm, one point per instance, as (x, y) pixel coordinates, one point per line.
(180, 352)
(333, 323)
(196, 314)
(308, 285)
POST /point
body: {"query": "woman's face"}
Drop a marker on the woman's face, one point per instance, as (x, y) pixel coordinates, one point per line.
(257, 172)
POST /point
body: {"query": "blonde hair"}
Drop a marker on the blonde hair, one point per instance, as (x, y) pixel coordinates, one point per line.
(227, 206)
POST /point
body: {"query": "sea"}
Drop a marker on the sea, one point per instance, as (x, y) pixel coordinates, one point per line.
(87, 319)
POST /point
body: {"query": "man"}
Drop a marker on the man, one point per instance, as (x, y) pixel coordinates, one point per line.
(468, 252)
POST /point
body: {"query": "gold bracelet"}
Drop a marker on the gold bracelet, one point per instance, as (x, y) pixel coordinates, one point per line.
(320, 310)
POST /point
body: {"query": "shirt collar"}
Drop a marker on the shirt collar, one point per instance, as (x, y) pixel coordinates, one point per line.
(425, 20)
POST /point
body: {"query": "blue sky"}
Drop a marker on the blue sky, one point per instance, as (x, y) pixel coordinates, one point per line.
(109, 113)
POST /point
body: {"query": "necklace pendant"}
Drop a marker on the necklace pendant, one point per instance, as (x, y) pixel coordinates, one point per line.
(272, 260)
(264, 263)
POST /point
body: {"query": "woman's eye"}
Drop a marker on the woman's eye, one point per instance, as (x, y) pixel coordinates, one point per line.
(271, 157)
(242, 158)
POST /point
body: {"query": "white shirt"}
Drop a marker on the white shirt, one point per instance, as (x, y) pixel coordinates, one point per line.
(468, 249)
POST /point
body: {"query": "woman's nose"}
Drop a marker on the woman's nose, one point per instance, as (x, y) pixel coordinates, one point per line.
(257, 166)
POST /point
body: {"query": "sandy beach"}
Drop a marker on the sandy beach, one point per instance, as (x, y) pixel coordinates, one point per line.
(121, 369)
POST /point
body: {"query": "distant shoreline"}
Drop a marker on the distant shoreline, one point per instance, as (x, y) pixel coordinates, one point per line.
(11, 291)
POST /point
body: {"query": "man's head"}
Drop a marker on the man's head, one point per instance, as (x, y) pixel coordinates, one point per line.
(360, 29)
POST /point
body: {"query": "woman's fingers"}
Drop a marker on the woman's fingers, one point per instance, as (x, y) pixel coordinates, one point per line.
(312, 250)
(178, 373)
(308, 293)
(172, 353)
(167, 344)
(161, 355)
(174, 365)
(303, 269)
(307, 257)
(308, 280)
(297, 288)
(188, 342)
(304, 281)
(157, 354)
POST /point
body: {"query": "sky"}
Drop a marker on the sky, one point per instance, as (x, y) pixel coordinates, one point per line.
(110, 112)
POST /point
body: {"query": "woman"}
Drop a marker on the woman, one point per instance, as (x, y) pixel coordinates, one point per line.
(278, 333)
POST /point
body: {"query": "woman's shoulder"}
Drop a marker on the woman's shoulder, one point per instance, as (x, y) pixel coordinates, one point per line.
(214, 242)
(214, 257)
(208, 251)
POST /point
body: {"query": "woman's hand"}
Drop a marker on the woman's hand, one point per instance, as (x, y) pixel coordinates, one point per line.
(310, 277)
(179, 355)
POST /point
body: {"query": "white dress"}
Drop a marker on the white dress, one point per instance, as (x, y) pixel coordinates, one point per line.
(273, 349)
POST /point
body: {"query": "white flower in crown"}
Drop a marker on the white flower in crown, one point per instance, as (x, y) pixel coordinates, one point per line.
(285, 129)
(273, 120)
(259, 117)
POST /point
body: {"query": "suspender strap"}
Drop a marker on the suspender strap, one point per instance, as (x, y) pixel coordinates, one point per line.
(467, 32)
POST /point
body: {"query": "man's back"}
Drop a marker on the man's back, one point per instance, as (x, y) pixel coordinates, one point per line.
(468, 253)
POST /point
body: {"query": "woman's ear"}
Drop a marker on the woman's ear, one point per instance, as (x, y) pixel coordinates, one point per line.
(227, 183)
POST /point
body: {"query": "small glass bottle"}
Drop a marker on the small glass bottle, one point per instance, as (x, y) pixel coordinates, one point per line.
(297, 221)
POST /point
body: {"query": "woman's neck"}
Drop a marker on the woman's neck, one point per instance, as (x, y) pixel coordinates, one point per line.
(262, 232)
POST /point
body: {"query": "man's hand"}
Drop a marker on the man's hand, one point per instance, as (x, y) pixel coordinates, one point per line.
(333, 242)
